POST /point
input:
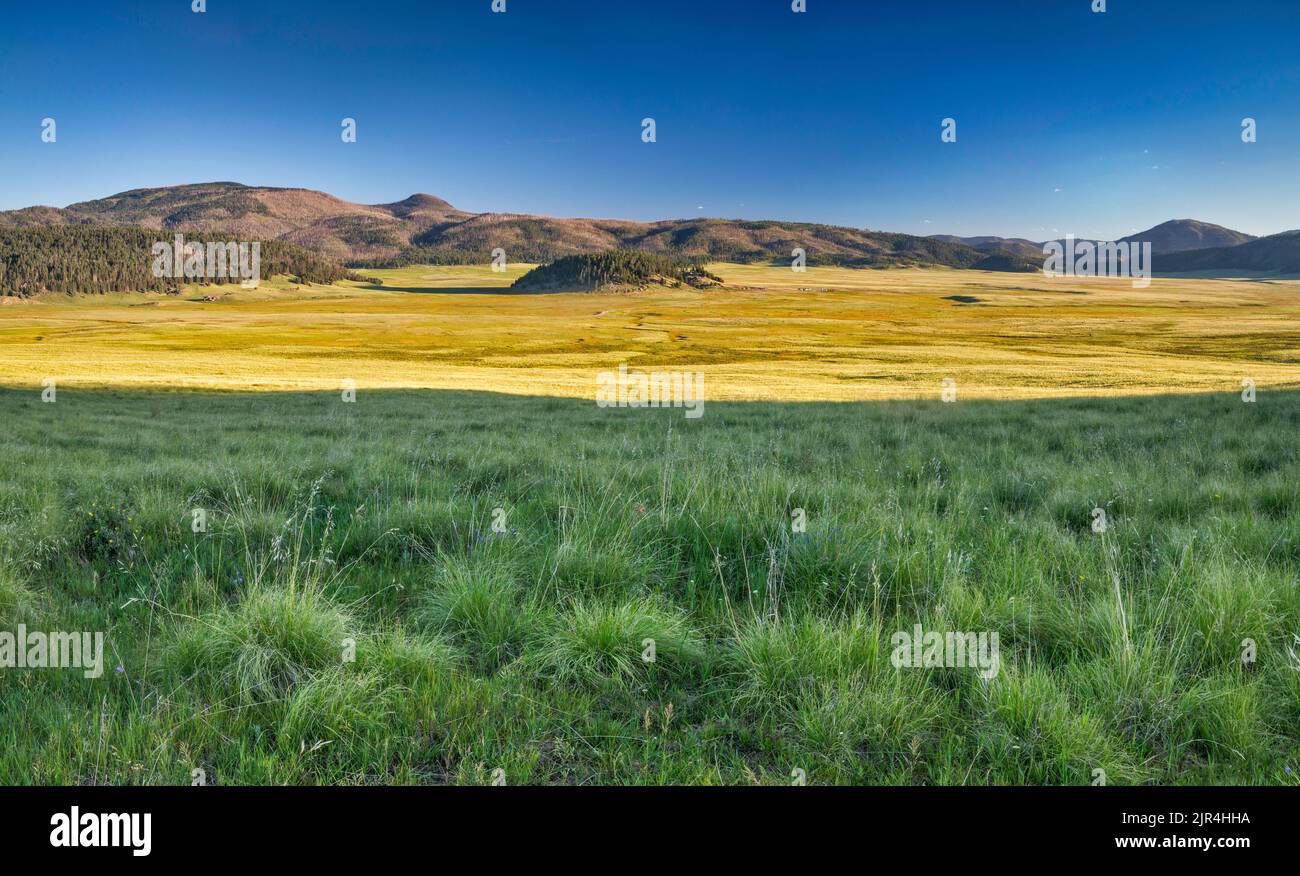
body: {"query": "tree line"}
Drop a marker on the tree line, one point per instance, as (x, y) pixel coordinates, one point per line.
(93, 259)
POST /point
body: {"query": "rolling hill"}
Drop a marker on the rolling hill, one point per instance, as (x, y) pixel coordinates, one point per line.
(1016, 246)
(1275, 254)
(1176, 235)
(615, 270)
(423, 228)
(332, 227)
(427, 229)
(1180, 235)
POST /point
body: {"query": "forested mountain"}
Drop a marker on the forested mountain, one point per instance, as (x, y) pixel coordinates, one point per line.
(423, 228)
(1017, 246)
(426, 229)
(1275, 254)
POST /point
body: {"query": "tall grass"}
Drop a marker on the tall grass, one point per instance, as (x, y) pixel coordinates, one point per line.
(451, 588)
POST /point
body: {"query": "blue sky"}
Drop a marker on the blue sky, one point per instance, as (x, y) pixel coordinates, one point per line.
(1067, 120)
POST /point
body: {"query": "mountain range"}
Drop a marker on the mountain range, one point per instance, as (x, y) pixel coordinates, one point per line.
(424, 228)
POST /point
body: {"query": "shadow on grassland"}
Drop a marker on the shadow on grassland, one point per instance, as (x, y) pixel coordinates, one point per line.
(974, 425)
(449, 290)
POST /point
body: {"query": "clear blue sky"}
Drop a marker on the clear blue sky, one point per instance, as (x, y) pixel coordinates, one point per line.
(1068, 121)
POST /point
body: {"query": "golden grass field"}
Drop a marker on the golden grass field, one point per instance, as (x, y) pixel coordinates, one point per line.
(771, 333)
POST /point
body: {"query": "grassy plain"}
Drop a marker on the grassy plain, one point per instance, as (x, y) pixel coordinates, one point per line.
(828, 334)
(364, 529)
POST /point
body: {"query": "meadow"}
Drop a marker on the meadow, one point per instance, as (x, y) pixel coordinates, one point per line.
(350, 614)
(829, 334)
(436, 583)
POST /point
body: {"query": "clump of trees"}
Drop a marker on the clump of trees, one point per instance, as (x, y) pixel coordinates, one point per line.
(89, 259)
(620, 267)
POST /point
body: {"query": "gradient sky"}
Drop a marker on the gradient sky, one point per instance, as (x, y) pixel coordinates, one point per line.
(1068, 121)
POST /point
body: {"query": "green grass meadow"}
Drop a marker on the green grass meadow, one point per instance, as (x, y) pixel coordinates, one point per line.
(351, 615)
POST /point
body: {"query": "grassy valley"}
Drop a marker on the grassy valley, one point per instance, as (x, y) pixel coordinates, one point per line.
(454, 578)
(765, 334)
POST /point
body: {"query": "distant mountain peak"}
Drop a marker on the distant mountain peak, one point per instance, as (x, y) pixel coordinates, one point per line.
(1181, 235)
(421, 199)
(419, 203)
